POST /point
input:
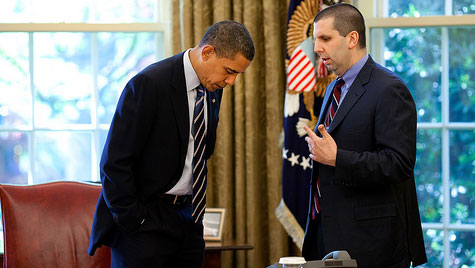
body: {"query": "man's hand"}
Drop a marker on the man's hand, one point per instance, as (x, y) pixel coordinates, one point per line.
(322, 150)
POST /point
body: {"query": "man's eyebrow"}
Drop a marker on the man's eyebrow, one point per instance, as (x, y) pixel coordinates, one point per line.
(231, 70)
(323, 36)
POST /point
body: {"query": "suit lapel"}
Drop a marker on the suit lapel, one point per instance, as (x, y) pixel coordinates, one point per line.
(211, 100)
(179, 100)
(325, 104)
(354, 93)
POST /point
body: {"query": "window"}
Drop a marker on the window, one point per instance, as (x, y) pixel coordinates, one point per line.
(430, 45)
(63, 65)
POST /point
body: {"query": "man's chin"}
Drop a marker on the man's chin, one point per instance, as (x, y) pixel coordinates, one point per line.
(331, 69)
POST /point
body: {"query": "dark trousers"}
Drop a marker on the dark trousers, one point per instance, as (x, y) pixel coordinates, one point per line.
(168, 238)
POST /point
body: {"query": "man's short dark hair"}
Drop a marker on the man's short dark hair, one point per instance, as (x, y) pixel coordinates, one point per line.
(229, 38)
(347, 18)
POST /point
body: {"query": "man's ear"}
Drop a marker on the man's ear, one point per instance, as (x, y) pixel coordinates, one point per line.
(353, 38)
(207, 52)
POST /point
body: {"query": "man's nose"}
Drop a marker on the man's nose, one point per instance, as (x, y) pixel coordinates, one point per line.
(230, 79)
(317, 48)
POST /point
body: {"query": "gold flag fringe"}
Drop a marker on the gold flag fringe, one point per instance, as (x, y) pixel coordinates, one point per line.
(290, 224)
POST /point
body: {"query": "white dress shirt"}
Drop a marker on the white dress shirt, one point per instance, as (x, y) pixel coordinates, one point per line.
(185, 184)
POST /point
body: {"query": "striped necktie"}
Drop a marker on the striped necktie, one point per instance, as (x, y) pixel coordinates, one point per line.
(336, 96)
(335, 101)
(199, 161)
(316, 201)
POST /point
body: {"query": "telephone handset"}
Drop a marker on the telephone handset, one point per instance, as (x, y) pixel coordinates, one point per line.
(337, 255)
(334, 259)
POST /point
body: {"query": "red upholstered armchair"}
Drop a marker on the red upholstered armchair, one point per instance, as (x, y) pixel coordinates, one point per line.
(48, 225)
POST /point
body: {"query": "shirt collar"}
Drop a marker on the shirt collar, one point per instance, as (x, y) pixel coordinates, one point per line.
(191, 78)
(354, 70)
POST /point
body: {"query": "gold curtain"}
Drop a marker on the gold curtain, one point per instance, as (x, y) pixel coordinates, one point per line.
(245, 171)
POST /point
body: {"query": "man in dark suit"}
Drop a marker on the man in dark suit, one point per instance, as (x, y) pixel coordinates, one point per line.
(363, 196)
(146, 211)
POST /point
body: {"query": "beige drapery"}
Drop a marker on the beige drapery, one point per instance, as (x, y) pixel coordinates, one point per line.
(245, 171)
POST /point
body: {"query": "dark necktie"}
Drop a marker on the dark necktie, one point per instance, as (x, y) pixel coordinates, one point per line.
(336, 96)
(316, 201)
(199, 161)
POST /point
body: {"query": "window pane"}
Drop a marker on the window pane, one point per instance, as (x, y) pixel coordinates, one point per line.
(15, 95)
(58, 11)
(462, 74)
(14, 157)
(120, 11)
(462, 249)
(63, 78)
(428, 175)
(44, 11)
(15, 11)
(416, 8)
(102, 140)
(121, 56)
(434, 244)
(415, 55)
(462, 170)
(462, 7)
(62, 155)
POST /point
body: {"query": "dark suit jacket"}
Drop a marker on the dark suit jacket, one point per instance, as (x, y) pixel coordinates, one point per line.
(369, 203)
(145, 151)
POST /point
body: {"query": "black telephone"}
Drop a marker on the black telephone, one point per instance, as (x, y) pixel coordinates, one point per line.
(334, 259)
(337, 255)
(338, 258)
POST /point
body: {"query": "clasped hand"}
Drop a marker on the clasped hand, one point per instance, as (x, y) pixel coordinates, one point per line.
(322, 150)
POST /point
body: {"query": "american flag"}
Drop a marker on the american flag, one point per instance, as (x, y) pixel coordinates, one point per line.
(301, 74)
(297, 166)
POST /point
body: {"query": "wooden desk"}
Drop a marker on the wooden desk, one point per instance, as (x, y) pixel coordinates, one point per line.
(213, 252)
